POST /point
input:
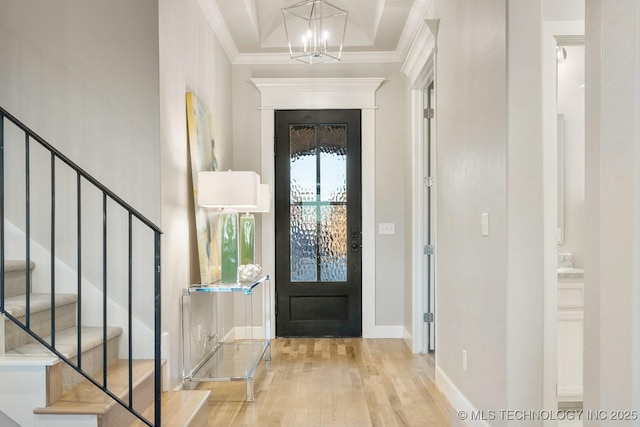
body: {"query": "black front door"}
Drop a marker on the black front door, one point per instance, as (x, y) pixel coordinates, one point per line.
(318, 212)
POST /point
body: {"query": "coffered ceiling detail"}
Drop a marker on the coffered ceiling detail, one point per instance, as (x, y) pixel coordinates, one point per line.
(252, 31)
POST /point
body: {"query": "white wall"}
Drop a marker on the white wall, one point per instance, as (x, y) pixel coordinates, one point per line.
(612, 296)
(565, 10)
(489, 145)
(84, 75)
(191, 60)
(471, 170)
(390, 154)
(525, 207)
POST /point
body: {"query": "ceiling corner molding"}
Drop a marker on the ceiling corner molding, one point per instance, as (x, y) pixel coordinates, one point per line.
(419, 55)
(310, 93)
(347, 58)
(380, 57)
(265, 59)
(413, 26)
(219, 27)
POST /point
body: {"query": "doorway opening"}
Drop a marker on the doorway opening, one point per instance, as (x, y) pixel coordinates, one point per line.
(570, 100)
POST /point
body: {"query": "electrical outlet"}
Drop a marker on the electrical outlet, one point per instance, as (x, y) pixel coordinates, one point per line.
(464, 360)
(199, 338)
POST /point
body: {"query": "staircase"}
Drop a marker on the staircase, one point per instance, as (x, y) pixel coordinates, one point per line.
(68, 397)
(58, 367)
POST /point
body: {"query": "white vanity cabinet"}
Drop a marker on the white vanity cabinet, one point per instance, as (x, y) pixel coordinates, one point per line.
(570, 335)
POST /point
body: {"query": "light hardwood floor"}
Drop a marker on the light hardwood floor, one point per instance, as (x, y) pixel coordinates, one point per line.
(336, 382)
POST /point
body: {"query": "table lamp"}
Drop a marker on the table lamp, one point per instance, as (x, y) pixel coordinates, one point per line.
(229, 191)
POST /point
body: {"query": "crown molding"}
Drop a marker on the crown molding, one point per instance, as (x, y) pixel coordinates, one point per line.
(219, 26)
(283, 58)
(413, 26)
(420, 54)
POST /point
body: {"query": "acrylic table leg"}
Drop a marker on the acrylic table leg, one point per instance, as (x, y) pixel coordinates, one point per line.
(250, 398)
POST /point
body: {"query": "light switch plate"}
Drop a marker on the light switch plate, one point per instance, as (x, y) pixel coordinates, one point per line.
(386, 228)
(485, 223)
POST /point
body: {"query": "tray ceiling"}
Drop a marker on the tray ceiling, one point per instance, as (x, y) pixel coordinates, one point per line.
(252, 31)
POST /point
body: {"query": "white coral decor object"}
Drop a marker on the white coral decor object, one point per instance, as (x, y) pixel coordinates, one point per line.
(248, 272)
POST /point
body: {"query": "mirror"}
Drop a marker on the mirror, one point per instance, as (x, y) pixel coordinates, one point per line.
(561, 173)
(571, 147)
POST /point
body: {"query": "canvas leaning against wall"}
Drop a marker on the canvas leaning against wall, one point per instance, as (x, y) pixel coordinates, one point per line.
(203, 158)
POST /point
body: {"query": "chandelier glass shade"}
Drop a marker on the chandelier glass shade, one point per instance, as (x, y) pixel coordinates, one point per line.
(315, 31)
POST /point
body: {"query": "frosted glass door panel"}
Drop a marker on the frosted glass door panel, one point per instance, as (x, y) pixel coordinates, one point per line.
(304, 246)
(318, 189)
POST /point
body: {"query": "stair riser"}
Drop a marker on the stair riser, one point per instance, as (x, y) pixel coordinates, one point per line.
(40, 325)
(182, 408)
(92, 362)
(117, 416)
(15, 283)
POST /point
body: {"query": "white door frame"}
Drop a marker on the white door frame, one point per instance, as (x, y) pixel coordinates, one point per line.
(326, 93)
(420, 68)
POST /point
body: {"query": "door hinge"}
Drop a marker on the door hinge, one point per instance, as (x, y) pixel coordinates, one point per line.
(429, 181)
(427, 317)
(275, 146)
(275, 308)
(429, 250)
(429, 113)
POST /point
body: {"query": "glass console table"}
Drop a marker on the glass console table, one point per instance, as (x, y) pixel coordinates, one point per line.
(220, 340)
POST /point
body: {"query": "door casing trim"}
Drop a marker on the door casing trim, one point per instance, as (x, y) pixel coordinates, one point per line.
(316, 94)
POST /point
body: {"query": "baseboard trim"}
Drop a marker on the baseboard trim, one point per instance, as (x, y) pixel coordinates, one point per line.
(257, 332)
(383, 332)
(457, 399)
(570, 394)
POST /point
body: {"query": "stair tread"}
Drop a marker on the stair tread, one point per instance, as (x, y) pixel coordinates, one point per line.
(17, 265)
(17, 306)
(67, 341)
(178, 407)
(87, 399)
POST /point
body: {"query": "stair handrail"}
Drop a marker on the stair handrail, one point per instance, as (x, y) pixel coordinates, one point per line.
(132, 212)
(81, 171)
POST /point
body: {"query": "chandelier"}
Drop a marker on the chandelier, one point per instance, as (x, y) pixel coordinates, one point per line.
(315, 31)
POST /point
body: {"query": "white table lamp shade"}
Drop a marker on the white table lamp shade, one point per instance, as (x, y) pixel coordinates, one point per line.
(238, 190)
(264, 201)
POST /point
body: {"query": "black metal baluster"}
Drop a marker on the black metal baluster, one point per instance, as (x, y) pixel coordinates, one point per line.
(157, 327)
(130, 314)
(53, 250)
(2, 212)
(27, 231)
(79, 248)
(104, 289)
